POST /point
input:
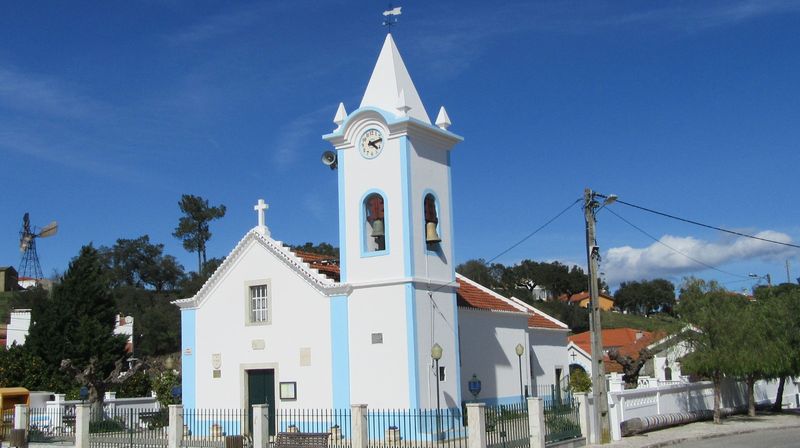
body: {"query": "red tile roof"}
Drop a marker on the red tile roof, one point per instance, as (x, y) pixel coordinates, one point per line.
(325, 264)
(624, 339)
(469, 294)
(473, 295)
(582, 296)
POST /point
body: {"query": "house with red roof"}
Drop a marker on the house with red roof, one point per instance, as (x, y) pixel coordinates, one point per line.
(582, 300)
(666, 350)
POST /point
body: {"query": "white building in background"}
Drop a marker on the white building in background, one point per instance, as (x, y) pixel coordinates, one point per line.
(294, 329)
(17, 330)
(20, 323)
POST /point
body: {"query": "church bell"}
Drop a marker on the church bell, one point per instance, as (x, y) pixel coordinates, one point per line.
(377, 228)
(431, 236)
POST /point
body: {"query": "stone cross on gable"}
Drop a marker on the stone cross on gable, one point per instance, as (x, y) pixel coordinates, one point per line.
(261, 208)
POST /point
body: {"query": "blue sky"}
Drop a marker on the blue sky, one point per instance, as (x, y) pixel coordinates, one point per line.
(109, 111)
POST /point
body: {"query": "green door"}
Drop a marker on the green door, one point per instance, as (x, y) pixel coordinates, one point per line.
(261, 390)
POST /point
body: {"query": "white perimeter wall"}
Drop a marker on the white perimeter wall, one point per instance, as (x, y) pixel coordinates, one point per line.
(488, 341)
(628, 404)
(549, 349)
(300, 321)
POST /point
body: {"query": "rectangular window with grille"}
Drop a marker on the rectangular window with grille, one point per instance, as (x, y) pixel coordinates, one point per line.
(259, 304)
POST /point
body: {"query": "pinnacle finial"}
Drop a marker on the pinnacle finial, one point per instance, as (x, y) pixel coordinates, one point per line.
(340, 116)
(443, 120)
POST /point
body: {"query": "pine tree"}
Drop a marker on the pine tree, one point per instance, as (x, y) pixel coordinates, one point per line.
(75, 330)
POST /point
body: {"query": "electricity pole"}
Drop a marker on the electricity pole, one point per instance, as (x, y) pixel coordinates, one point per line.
(599, 392)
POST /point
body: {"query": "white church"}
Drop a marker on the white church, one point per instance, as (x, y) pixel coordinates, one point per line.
(297, 330)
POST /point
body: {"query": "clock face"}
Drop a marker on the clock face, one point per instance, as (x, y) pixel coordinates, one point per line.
(371, 143)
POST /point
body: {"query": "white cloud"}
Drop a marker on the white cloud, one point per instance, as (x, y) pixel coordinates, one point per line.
(658, 260)
(41, 94)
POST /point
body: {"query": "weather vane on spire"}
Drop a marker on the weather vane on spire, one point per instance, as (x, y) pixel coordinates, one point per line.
(390, 16)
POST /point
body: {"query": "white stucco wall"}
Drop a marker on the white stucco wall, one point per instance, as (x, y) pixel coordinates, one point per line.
(549, 349)
(667, 356)
(379, 372)
(382, 175)
(17, 330)
(436, 323)
(488, 341)
(300, 320)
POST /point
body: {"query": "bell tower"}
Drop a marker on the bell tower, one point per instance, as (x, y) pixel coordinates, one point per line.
(396, 241)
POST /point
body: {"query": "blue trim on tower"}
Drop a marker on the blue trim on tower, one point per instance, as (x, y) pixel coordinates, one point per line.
(340, 348)
(411, 344)
(386, 224)
(188, 356)
(408, 223)
(450, 218)
(457, 338)
(390, 119)
(340, 158)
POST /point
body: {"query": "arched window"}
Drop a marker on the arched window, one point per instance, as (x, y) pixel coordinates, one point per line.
(374, 223)
(431, 220)
(667, 373)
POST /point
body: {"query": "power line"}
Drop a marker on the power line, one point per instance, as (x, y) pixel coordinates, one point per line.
(535, 231)
(707, 225)
(672, 248)
(538, 229)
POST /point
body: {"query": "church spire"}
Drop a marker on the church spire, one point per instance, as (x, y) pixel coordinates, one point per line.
(389, 79)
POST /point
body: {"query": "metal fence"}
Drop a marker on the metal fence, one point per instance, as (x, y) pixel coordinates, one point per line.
(561, 420)
(210, 428)
(412, 428)
(337, 422)
(128, 427)
(6, 423)
(51, 424)
(507, 426)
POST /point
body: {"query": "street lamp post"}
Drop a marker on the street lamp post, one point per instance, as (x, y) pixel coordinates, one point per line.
(599, 393)
(520, 349)
(436, 354)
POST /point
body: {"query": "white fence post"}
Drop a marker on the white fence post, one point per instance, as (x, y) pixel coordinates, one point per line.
(476, 425)
(583, 414)
(536, 421)
(21, 416)
(175, 430)
(82, 418)
(260, 425)
(358, 415)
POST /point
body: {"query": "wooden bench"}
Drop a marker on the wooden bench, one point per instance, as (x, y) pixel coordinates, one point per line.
(302, 440)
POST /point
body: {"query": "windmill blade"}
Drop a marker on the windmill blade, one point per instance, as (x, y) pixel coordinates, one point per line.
(48, 230)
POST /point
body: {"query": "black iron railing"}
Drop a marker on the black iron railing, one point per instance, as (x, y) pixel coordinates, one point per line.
(507, 426)
(51, 424)
(128, 427)
(561, 420)
(416, 428)
(337, 422)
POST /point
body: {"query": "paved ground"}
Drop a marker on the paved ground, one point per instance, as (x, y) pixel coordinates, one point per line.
(775, 438)
(738, 424)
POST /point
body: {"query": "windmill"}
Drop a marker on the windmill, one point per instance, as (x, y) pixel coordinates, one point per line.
(29, 263)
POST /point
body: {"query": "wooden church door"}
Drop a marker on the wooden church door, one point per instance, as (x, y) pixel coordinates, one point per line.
(261, 390)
